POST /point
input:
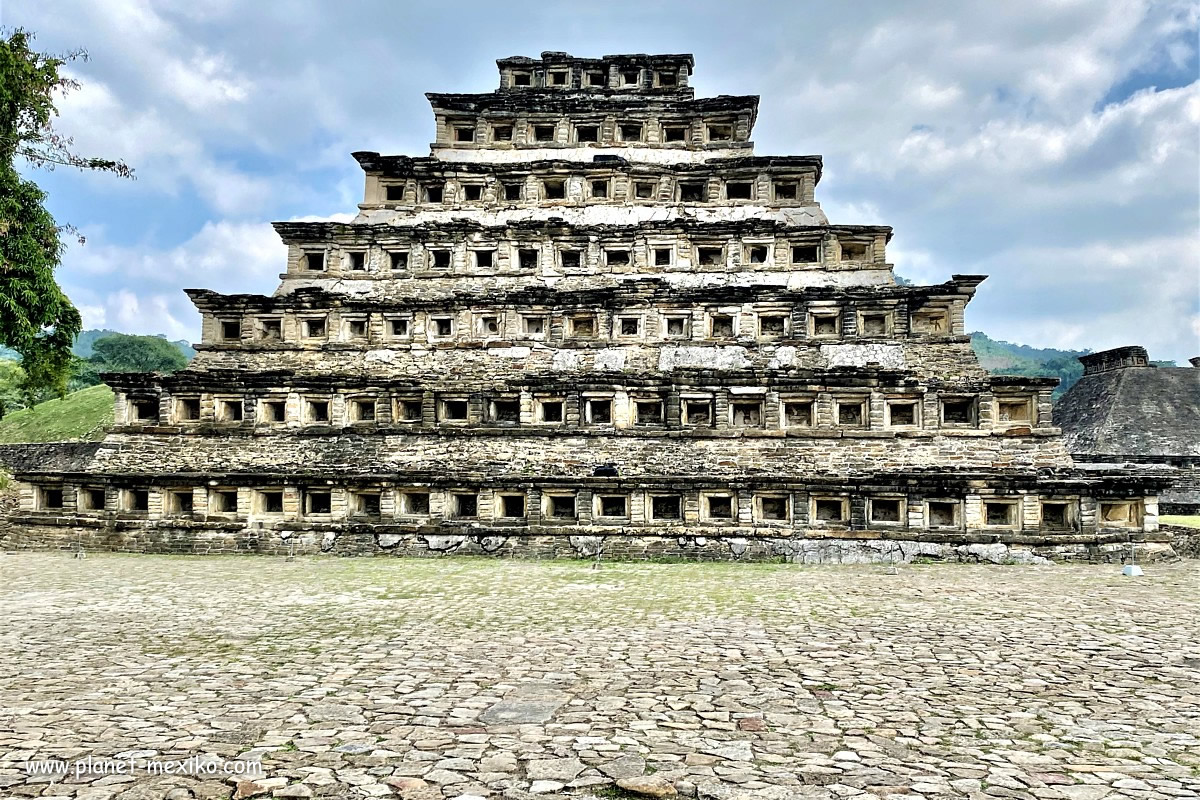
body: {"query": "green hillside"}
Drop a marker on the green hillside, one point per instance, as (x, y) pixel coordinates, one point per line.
(80, 415)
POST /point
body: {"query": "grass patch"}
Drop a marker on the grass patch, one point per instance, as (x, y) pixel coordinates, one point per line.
(1190, 521)
(80, 415)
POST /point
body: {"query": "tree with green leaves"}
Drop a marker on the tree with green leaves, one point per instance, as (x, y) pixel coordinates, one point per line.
(37, 319)
(121, 352)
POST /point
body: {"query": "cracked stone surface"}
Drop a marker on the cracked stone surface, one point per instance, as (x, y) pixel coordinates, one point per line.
(470, 678)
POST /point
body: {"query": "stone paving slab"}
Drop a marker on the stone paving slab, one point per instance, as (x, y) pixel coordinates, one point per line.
(463, 678)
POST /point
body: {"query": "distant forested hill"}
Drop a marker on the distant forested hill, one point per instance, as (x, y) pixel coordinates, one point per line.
(1006, 358)
(83, 345)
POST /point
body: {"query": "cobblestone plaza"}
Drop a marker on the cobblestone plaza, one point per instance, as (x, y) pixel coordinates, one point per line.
(467, 678)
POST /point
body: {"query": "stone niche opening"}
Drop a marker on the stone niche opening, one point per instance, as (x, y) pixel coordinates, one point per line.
(398, 260)
(617, 257)
(675, 133)
(506, 411)
(903, 413)
(710, 256)
(414, 504)
(806, 253)
(394, 193)
(691, 192)
(551, 411)
(554, 189)
(942, 514)
(400, 327)
(772, 325)
(569, 259)
(583, 327)
(613, 506)
(543, 133)
(1014, 409)
(489, 325)
(798, 413)
(527, 258)
(443, 326)
(825, 323)
(433, 193)
(452, 410)
(273, 411)
(230, 410)
(473, 192)
(356, 328)
(666, 507)
(739, 190)
(441, 260)
(50, 498)
(599, 190)
(145, 410)
(599, 410)
(630, 326)
(1000, 513)
(560, 506)
(1120, 514)
(677, 326)
(721, 326)
(318, 502)
(409, 410)
(362, 409)
(512, 191)
(223, 501)
(773, 508)
(314, 261)
(1059, 515)
(269, 501)
(595, 78)
(270, 330)
(720, 132)
(137, 500)
(511, 506)
(697, 411)
(874, 324)
(187, 409)
(178, 501)
(718, 507)
(231, 330)
(662, 256)
(746, 413)
(932, 321)
(316, 411)
(758, 253)
(648, 412)
(644, 190)
(502, 133)
(631, 77)
(854, 251)
(534, 326)
(829, 509)
(587, 133)
(522, 79)
(464, 505)
(887, 510)
(786, 190)
(852, 413)
(959, 411)
(464, 133)
(630, 131)
(90, 499)
(358, 261)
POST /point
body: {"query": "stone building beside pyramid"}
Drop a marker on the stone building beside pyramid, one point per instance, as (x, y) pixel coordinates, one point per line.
(591, 320)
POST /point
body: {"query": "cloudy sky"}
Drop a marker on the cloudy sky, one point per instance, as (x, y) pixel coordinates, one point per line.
(1051, 144)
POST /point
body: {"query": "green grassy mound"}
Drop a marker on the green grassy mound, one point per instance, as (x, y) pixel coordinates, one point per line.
(80, 415)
